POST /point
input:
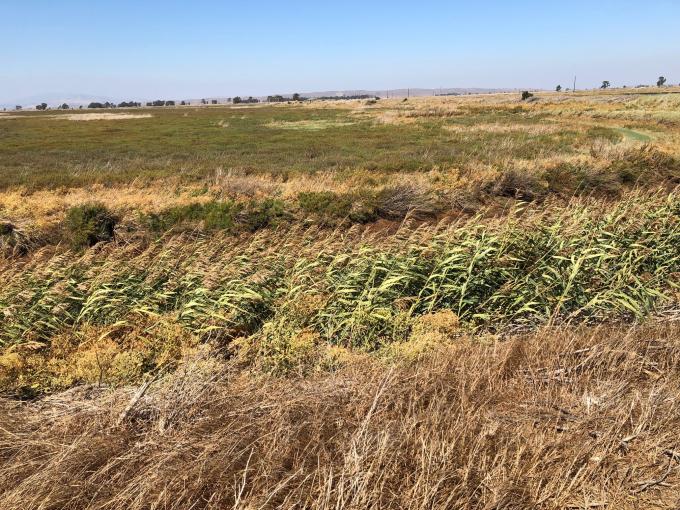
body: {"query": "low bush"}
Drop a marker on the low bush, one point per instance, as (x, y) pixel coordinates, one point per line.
(258, 214)
(6, 228)
(646, 163)
(520, 184)
(326, 204)
(396, 202)
(219, 215)
(89, 224)
(392, 203)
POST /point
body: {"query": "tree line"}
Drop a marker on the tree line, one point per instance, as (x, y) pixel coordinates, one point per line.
(661, 82)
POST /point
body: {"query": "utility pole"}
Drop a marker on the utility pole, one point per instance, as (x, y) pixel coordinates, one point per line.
(574, 89)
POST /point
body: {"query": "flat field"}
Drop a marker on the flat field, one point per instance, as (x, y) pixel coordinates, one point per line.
(447, 302)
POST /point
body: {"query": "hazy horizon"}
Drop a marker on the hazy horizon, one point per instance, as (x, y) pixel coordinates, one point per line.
(220, 49)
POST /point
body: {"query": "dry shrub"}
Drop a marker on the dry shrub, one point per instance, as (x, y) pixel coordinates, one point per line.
(105, 355)
(398, 201)
(429, 332)
(559, 419)
(13, 240)
(519, 184)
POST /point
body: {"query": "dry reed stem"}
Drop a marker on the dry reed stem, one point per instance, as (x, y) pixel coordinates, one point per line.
(558, 419)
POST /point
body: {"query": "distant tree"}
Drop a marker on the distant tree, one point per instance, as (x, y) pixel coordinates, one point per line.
(183, 103)
(41, 107)
(214, 101)
(64, 107)
(158, 102)
(169, 103)
(237, 100)
(558, 88)
(18, 107)
(203, 101)
(101, 105)
(296, 97)
(661, 82)
(605, 85)
(526, 95)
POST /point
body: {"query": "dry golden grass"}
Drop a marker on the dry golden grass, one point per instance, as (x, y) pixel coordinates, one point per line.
(559, 419)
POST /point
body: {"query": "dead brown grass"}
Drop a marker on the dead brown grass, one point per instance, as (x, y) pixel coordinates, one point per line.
(559, 419)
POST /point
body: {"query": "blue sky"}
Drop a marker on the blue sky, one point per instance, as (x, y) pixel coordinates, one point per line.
(146, 49)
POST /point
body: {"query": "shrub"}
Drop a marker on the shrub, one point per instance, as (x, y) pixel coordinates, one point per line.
(89, 224)
(652, 164)
(261, 214)
(526, 95)
(325, 203)
(6, 228)
(329, 207)
(519, 184)
(599, 182)
(561, 179)
(398, 201)
(220, 215)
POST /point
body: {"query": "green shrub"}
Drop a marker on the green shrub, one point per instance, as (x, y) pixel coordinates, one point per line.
(364, 209)
(219, 215)
(260, 214)
(325, 203)
(329, 207)
(89, 224)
